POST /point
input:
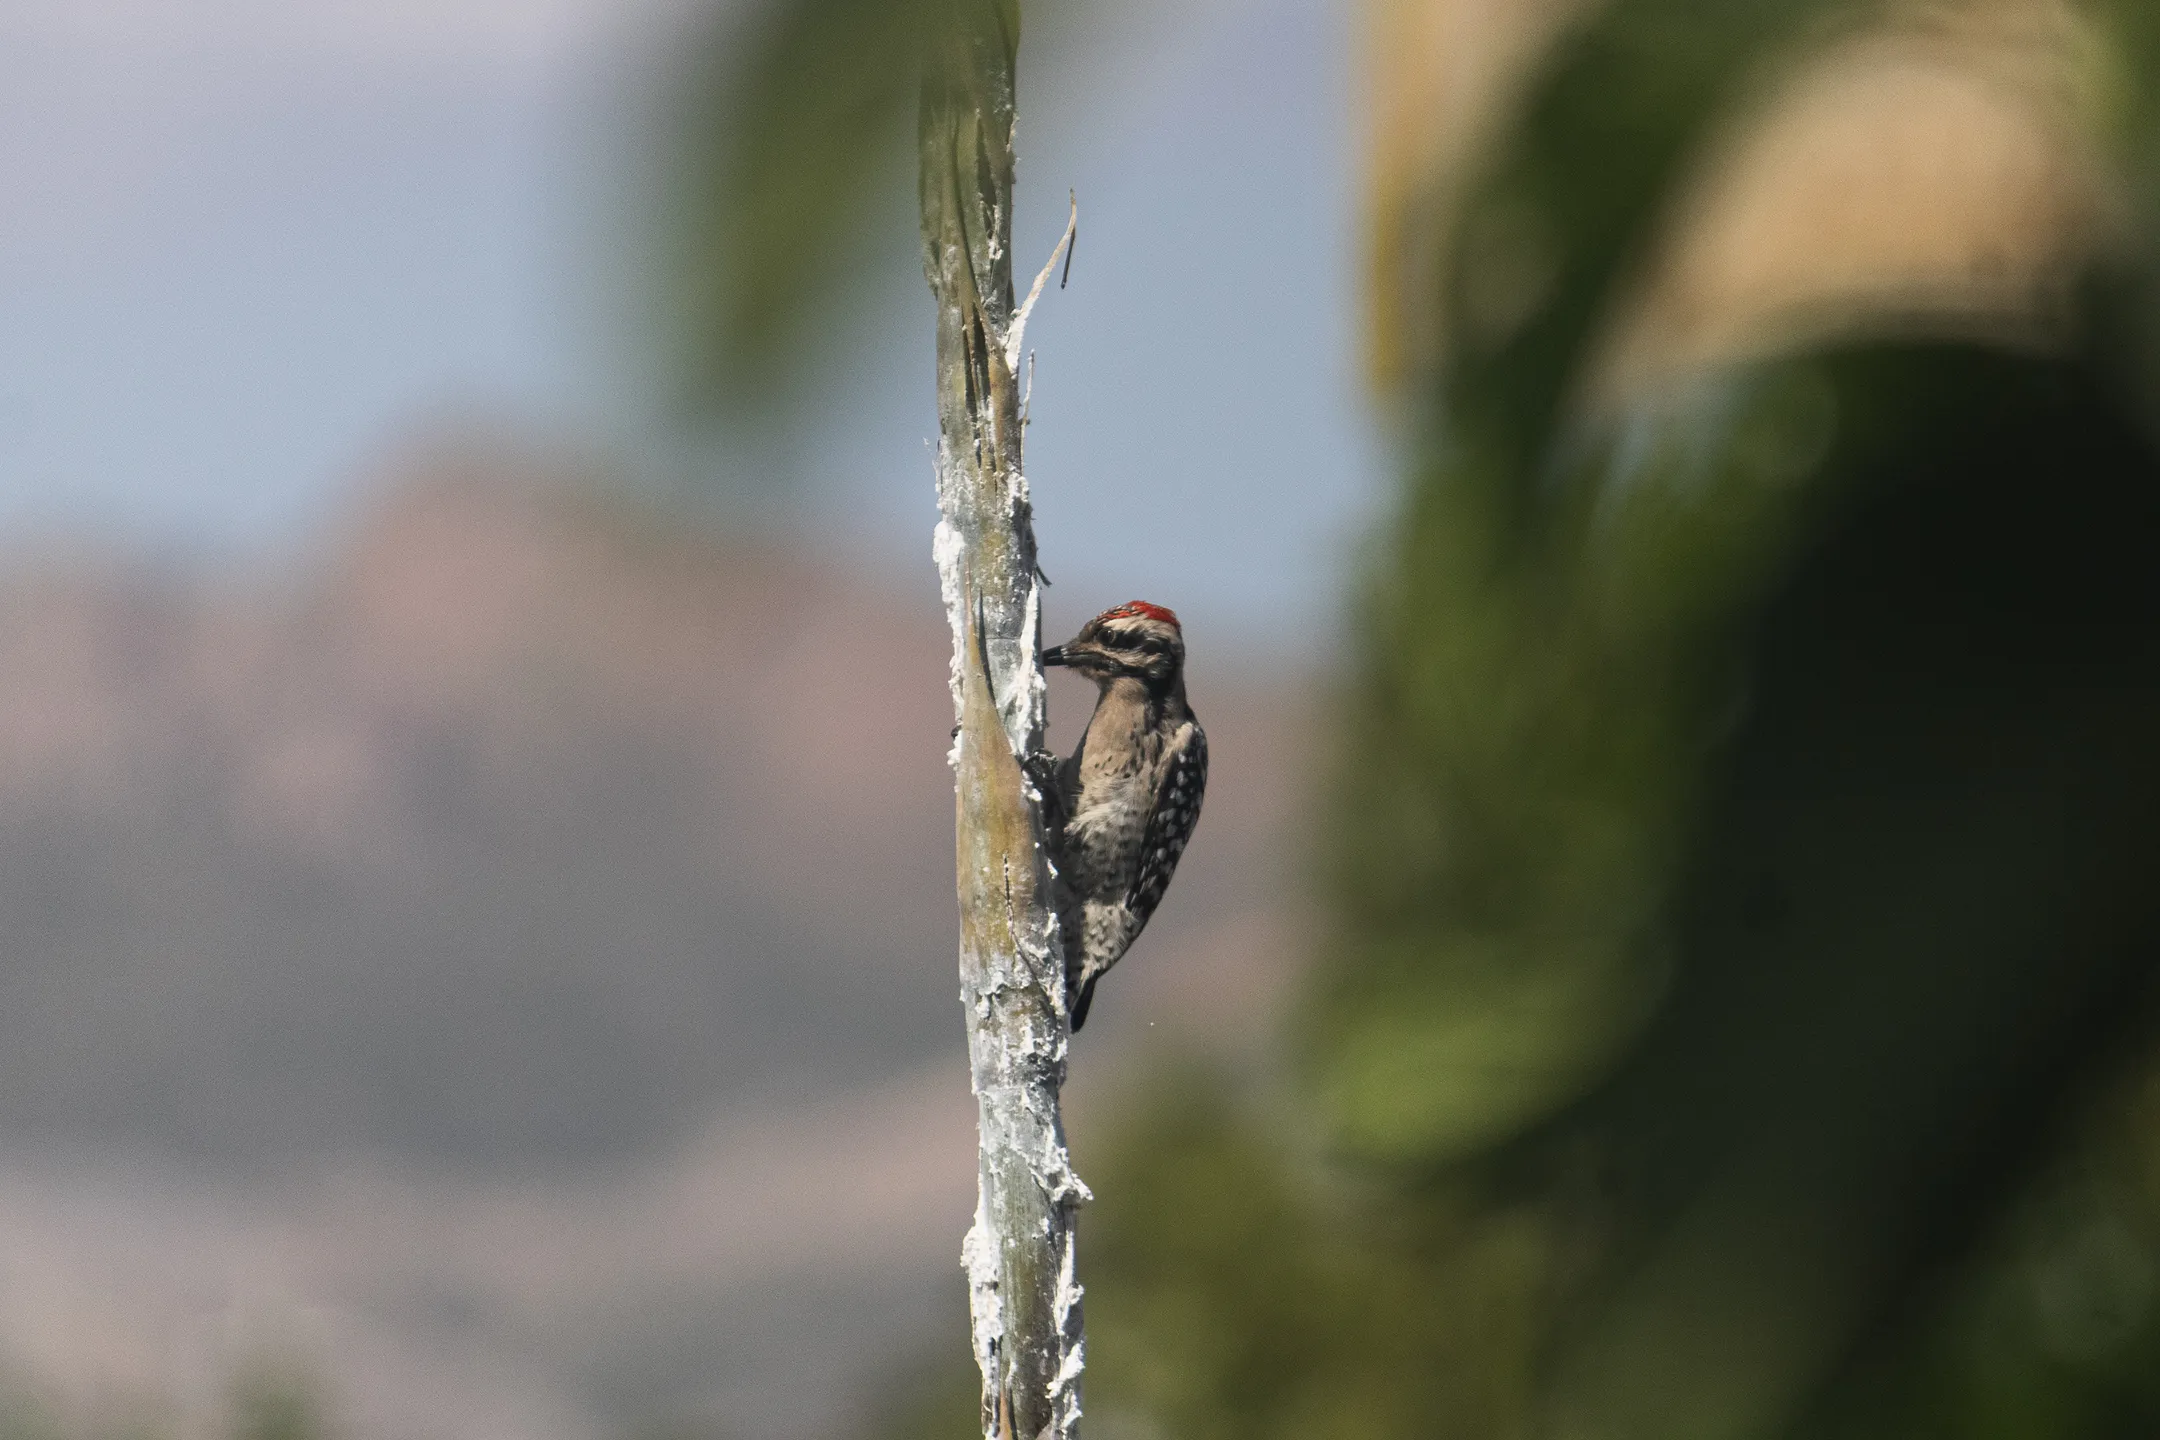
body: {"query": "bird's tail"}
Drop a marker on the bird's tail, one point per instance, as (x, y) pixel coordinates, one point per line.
(1080, 1005)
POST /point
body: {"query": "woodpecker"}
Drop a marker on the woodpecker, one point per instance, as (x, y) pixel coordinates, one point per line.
(1125, 802)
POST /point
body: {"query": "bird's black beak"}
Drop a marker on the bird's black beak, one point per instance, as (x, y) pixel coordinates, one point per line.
(1056, 655)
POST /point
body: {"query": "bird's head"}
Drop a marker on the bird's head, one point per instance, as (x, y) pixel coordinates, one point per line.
(1135, 640)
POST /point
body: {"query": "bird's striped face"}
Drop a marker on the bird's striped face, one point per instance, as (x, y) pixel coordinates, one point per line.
(1135, 639)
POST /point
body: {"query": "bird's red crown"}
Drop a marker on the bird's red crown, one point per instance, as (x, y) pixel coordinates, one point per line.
(1141, 610)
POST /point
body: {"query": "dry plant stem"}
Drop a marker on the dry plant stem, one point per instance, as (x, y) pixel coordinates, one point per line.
(1024, 1298)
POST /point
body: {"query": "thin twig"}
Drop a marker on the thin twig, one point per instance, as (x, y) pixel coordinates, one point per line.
(1013, 336)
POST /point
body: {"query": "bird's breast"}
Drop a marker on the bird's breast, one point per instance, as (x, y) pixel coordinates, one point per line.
(1103, 835)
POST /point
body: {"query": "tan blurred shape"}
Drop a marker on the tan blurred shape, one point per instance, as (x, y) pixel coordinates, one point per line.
(1441, 74)
(1933, 171)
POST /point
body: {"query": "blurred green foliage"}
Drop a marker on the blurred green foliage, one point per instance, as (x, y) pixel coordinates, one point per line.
(790, 127)
(276, 1404)
(791, 116)
(264, 1401)
(22, 1418)
(1746, 844)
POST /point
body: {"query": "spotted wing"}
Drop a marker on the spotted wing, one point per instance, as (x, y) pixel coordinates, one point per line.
(1170, 821)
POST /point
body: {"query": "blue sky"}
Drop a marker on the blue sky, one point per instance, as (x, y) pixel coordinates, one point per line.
(250, 247)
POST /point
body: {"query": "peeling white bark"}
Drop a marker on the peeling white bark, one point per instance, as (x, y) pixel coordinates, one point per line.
(1024, 1298)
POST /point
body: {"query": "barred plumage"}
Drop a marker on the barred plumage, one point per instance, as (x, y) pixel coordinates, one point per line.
(1125, 803)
